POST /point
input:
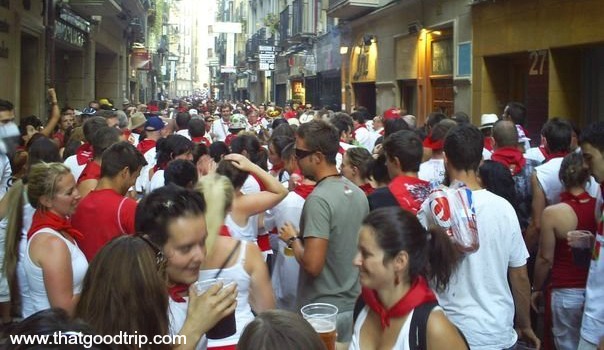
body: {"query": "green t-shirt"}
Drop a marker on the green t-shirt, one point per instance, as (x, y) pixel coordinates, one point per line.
(333, 211)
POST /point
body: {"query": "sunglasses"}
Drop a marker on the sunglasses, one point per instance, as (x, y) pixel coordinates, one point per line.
(302, 153)
(160, 258)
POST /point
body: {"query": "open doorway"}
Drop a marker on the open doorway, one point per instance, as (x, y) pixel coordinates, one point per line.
(30, 77)
(364, 95)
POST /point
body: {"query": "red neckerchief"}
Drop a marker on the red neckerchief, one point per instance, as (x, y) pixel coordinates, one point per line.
(201, 139)
(84, 153)
(367, 188)
(580, 198)
(224, 231)
(511, 157)
(304, 190)
(277, 169)
(260, 183)
(341, 149)
(157, 167)
(382, 132)
(46, 218)
(488, 143)
(418, 294)
(146, 145)
(551, 156)
(92, 171)
(354, 132)
(229, 139)
(543, 151)
(176, 290)
(407, 200)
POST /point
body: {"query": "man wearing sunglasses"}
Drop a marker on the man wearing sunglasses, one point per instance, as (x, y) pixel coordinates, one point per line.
(329, 226)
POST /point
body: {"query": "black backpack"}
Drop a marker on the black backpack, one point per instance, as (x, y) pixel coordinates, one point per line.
(419, 322)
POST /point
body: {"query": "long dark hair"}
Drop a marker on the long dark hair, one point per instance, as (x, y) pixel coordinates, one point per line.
(431, 253)
(251, 145)
(497, 178)
(140, 290)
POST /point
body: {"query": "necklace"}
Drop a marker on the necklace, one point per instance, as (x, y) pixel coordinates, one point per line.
(328, 176)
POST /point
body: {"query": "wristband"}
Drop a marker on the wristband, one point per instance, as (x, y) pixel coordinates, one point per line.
(291, 241)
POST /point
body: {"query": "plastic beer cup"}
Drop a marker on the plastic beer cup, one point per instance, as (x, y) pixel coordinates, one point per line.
(228, 325)
(322, 318)
(580, 242)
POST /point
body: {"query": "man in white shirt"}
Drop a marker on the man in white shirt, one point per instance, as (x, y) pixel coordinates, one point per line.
(360, 132)
(592, 326)
(220, 126)
(479, 300)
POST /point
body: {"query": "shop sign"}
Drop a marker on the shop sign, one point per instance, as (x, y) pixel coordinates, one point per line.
(140, 60)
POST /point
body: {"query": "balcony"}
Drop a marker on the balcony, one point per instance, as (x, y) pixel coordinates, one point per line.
(297, 17)
(96, 7)
(351, 9)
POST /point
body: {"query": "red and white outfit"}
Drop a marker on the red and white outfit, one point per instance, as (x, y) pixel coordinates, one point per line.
(220, 129)
(77, 162)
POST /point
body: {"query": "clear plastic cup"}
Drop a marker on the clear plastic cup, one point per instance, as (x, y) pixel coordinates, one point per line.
(580, 242)
(228, 325)
(322, 318)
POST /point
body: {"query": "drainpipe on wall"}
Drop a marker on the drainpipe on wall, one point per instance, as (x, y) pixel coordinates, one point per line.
(49, 25)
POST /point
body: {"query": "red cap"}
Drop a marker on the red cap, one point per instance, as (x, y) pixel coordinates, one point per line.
(392, 113)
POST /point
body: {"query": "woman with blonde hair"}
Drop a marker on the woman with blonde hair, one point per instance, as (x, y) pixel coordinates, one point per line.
(54, 265)
(233, 259)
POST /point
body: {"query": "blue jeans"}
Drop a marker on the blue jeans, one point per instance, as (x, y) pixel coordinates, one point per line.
(567, 311)
(585, 345)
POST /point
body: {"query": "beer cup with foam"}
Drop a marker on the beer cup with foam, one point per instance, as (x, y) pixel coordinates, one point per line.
(322, 318)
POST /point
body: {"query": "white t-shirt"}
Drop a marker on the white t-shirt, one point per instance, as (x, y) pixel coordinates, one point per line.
(486, 154)
(363, 136)
(158, 180)
(339, 157)
(7, 174)
(220, 129)
(433, 171)
(286, 269)
(535, 154)
(72, 163)
(142, 181)
(478, 299)
(592, 326)
(184, 132)
(547, 175)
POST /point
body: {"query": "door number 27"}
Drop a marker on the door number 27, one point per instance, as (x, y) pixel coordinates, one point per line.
(537, 60)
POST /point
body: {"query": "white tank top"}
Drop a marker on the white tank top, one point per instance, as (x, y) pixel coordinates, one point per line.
(402, 342)
(249, 232)
(37, 296)
(243, 312)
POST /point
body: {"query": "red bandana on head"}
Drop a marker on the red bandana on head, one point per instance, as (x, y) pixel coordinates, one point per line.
(47, 219)
(418, 294)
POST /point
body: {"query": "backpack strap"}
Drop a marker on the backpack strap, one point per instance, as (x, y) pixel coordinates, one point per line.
(418, 339)
(419, 324)
(358, 307)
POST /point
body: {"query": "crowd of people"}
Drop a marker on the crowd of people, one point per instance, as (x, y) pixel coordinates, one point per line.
(441, 235)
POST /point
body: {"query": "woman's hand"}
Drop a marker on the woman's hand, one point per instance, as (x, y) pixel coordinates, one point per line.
(287, 231)
(240, 162)
(209, 308)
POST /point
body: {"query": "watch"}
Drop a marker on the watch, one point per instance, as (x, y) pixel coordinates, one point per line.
(291, 241)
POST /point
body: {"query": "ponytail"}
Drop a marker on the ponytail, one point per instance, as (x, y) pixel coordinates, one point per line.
(442, 258)
(217, 191)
